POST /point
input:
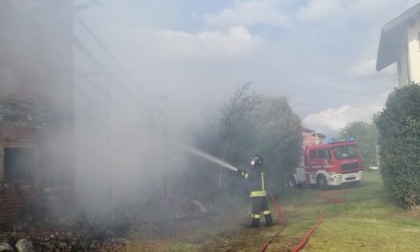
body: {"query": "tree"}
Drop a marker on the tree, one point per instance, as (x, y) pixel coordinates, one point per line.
(245, 125)
(279, 138)
(226, 132)
(366, 136)
(399, 144)
(234, 125)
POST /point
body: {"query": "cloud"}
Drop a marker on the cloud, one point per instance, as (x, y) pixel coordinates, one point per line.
(357, 10)
(331, 119)
(287, 13)
(318, 10)
(248, 13)
(235, 41)
(364, 67)
(335, 119)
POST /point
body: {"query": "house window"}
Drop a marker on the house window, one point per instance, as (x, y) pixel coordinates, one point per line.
(18, 163)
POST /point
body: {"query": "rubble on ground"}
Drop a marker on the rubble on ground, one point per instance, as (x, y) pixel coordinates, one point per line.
(38, 231)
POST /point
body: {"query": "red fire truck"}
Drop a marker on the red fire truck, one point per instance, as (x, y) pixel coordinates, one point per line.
(328, 164)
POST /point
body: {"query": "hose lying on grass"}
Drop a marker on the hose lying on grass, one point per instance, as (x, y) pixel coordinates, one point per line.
(324, 195)
(306, 238)
(282, 225)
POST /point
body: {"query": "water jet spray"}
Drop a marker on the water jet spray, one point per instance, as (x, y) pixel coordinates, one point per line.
(208, 157)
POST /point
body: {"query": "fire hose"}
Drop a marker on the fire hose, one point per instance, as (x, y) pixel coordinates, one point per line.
(309, 233)
(282, 225)
(306, 238)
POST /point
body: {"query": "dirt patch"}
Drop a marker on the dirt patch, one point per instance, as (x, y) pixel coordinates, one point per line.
(158, 219)
(159, 225)
(414, 213)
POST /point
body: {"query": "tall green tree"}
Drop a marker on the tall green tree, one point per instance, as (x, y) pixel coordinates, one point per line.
(366, 135)
(399, 144)
(278, 138)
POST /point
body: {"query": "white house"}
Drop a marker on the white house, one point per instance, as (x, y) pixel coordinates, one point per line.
(400, 43)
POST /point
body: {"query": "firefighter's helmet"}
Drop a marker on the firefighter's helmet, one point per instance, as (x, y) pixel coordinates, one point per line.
(256, 160)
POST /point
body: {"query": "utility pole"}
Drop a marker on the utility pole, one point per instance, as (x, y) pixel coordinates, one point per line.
(108, 129)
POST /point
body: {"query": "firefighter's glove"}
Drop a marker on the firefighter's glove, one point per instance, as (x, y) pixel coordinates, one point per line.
(240, 172)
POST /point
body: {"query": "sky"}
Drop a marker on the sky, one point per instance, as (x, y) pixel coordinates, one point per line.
(320, 54)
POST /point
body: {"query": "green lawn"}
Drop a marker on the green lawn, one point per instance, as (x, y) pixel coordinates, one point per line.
(365, 220)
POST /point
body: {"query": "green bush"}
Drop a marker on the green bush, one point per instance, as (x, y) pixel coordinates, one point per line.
(399, 142)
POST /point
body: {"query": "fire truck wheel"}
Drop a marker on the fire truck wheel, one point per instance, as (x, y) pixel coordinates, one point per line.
(321, 182)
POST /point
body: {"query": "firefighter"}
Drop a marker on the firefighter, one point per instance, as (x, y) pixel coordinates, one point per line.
(258, 193)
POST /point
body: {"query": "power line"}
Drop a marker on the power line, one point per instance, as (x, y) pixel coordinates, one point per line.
(97, 40)
(115, 60)
(363, 101)
(84, 77)
(89, 55)
(103, 70)
(368, 89)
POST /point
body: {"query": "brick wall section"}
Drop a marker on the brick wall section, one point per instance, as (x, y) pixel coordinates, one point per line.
(42, 76)
(15, 198)
(309, 140)
(312, 138)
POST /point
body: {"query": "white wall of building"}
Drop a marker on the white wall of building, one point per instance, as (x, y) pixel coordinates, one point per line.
(403, 66)
(414, 52)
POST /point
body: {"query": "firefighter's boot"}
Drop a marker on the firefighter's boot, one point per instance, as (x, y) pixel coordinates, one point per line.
(255, 223)
(268, 220)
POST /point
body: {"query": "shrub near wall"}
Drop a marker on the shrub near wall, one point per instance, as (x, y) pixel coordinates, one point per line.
(399, 142)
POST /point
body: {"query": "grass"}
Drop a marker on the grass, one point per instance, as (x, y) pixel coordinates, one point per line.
(365, 220)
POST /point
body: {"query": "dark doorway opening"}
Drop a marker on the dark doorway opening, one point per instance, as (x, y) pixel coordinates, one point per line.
(19, 163)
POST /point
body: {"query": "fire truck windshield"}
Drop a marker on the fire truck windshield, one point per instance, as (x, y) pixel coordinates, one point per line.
(346, 151)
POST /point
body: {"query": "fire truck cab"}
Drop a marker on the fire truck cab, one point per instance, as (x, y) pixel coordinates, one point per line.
(328, 164)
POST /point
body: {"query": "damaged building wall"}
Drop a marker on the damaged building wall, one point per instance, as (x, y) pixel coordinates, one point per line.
(36, 100)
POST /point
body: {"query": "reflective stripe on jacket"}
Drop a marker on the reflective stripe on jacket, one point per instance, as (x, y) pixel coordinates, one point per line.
(256, 177)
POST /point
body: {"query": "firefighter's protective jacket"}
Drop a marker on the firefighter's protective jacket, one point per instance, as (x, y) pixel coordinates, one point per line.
(256, 177)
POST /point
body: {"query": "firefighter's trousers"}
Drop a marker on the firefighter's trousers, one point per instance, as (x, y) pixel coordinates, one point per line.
(260, 204)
